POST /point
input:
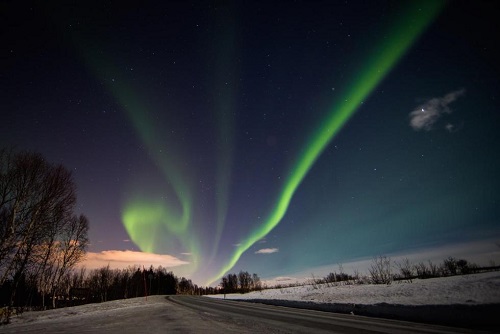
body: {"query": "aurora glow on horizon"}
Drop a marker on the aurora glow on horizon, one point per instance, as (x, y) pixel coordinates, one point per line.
(266, 137)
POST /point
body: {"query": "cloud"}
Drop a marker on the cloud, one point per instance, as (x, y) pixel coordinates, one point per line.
(122, 259)
(425, 115)
(187, 254)
(267, 251)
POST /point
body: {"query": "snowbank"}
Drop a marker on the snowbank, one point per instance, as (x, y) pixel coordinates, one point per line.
(474, 289)
(89, 311)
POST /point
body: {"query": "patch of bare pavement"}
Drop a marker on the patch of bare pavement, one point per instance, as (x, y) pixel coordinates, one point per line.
(477, 317)
(188, 314)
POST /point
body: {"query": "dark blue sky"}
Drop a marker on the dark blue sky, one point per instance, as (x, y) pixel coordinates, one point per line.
(188, 118)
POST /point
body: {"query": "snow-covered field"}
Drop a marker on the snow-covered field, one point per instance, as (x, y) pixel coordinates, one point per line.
(473, 289)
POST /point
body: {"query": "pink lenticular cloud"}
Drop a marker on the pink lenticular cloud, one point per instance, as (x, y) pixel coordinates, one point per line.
(122, 259)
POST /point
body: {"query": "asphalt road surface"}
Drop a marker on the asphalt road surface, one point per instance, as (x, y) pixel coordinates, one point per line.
(189, 314)
(259, 318)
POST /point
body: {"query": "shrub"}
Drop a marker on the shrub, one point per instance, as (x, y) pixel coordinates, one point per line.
(405, 269)
(380, 270)
(450, 266)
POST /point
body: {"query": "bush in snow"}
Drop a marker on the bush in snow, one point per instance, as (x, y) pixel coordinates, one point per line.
(405, 270)
(381, 271)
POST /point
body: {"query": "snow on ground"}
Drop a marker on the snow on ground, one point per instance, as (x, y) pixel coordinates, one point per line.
(473, 289)
(464, 301)
(89, 310)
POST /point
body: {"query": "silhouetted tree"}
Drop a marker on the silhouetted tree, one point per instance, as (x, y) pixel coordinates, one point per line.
(450, 266)
(186, 287)
(171, 283)
(40, 238)
(405, 269)
(463, 267)
(245, 280)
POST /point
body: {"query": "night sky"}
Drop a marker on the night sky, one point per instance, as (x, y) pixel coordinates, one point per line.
(273, 137)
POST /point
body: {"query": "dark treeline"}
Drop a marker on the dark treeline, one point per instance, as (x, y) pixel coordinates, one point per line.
(242, 282)
(80, 286)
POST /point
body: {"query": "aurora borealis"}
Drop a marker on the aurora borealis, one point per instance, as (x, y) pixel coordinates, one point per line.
(273, 138)
(379, 62)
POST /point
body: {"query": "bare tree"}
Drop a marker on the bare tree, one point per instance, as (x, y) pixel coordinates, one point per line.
(405, 269)
(245, 280)
(257, 284)
(20, 211)
(380, 270)
(37, 227)
(70, 249)
(433, 269)
(232, 282)
(104, 282)
(449, 266)
(43, 194)
(78, 277)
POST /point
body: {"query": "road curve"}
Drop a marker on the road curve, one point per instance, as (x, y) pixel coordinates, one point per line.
(276, 319)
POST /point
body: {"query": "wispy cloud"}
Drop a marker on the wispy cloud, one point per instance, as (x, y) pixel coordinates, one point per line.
(122, 259)
(425, 115)
(267, 251)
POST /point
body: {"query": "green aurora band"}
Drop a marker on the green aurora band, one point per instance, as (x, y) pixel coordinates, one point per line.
(146, 220)
(157, 216)
(400, 37)
(141, 213)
